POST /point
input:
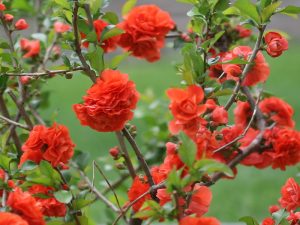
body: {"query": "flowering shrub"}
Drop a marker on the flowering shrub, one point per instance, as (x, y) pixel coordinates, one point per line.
(45, 180)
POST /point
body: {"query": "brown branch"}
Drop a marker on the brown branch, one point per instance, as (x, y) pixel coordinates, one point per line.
(125, 154)
(141, 159)
(247, 68)
(45, 73)
(36, 115)
(14, 123)
(77, 43)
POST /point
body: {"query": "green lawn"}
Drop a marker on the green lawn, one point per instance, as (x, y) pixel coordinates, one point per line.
(251, 192)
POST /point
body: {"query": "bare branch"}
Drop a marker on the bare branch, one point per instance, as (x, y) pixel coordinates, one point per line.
(14, 123)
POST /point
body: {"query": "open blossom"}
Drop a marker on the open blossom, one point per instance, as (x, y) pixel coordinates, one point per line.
(199, 221)
(109, 102)
(31, 47)
(109, 44)
(23, 204)
(7, 218)
(52, 144)
(200, 200)
(145, 28)
(2, 7)
(268, 221)
(243, 32)
(290, 195)
(258, 73)
(61, 27)
(219, 116)
(278, 111)
(276, 44)
(186, 108)
(21, 24)
(49, 206)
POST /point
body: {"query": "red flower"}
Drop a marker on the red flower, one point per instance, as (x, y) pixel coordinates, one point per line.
(200, 200)
(290, 195)
(274, 208)
(242, 113)
(294, 218)
(206, 143)
(109, 103)
(8, 17)
(23, 204)
(219, 116)
(109, 44)
(60, 27)
(49, 206)
(2, 7)
(31, 47)
(21, 24)
(259, 72)
(278, 111)
(186, 108)
(276, 44)
(268, 221)
(285, 147)
(52, 144)
(243, 32)
(140, 185)
(145, 29)
(199, 221)
(114, 152)
(7, 218)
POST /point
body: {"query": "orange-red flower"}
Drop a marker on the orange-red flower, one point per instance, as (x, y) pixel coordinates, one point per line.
(145, 29)
(268, 221)
(259, 72)
(32, 48)
(52, 144)
(243, 32)
(276, 44)
(8, 17)
(21, 24)
(23, 204)
(7, 218)
(200, 200)
(109, 44)
(61, 27)
(199, 221)
(186, 108)
(290, 195)
(109, 103)
(278, 111)
(242, 113)
(2, 7)
(219, 116)
(49, 205)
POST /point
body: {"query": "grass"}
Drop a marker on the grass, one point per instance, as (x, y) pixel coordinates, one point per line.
(251, 192)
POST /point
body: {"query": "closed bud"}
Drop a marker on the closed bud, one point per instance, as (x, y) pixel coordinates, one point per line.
(21, 24)
(114, 152)
(8, 17)
(120, 166)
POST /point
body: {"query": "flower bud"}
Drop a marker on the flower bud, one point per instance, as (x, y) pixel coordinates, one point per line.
(114, 152)
(2, 7)
(120, 166)
(8, 17)
(21, 24)
(25, 79)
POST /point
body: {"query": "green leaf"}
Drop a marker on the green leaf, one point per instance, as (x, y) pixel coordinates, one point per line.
(208, 44)
(110, 31)
(249, 220)
(193, 2)
(96, 59)
(247, 8)
(92, 37)
(223, 92)
(5, 162)
(115, 62)
(291, 9)
(3, 82)
(279, 216)
(265, 3)
(129, 4)
(111, 17)
(213, 166)
(28, 165)
(232, 11)
(269, 10)
(81, 159)
(187, 150)
(63, 3)
(236, 60)
(22, 5)
(63, 196)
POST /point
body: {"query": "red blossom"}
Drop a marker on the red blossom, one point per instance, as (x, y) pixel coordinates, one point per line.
(290, 195)
(8, 17)
(276, 44)
(32, 48)
(243, 32)
(219, 116)
(200, 200)
(52, 144)
(61, 27)
(145, 29)
(199, 221)
(7, 218)
(2, 7)
(268, 221)
(109, 103)
(21, 24)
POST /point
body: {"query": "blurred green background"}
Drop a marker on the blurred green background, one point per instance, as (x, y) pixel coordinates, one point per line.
(251, 192)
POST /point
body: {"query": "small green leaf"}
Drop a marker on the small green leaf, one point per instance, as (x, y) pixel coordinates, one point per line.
(291, 9)
(223, 92)
(249, 220)
(111, 31)
(247, 8)
(129, 4)
(193, 2)
(115, 62)
(213, 166)
(96, 59)
(187, 150)
(236, 60)
(279, 216)
(63, 3)
(265, 3)
(63, 196)
(269, 10)
(111, 18)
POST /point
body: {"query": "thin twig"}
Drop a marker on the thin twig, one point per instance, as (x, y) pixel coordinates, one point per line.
(49, 51)
(125, 154)
(36, 115)
(14, 123)
(247, 68)
(4, 192)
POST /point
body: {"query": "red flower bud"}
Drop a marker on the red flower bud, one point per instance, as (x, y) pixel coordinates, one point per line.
(21, 24)
(8, 17)
(25, 79)
(274, 208)
(2, 7)
(276, 44)
(114, 152)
